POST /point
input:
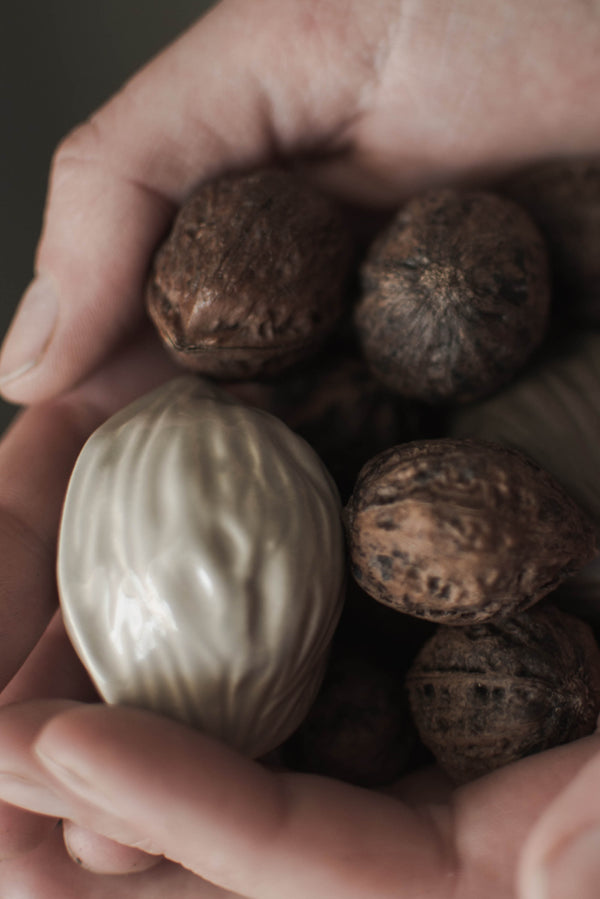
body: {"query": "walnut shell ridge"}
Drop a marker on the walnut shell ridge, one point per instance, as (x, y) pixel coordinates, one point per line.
(252, 276)
(201, 564)
(488, 694)
(458, 531)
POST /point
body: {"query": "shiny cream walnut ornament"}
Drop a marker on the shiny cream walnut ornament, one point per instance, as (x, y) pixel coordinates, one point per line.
(201, 564)
(551, 413)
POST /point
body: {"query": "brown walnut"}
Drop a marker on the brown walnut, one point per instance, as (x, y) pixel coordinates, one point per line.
(338, 407)
(455, 296)
(359, 728)
(488, 694)
(563, 199)
(252, 276)
(457, 531)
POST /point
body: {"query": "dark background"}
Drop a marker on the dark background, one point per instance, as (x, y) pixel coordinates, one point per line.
(59, 60)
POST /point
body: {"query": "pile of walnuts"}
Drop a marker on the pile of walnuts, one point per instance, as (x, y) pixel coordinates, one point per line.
(365, 351)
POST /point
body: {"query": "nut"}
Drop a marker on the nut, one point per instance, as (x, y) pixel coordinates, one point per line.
(455, 296)
(551, 413)
(359, 729)
(252, 276)
(457, 531)
(201, 564)
(563, 199)
(336, 405)
(486, 695)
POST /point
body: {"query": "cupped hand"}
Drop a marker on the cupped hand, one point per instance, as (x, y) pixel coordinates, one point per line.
(374, 99)
(151, 808)
(37, 455)
(226, 826)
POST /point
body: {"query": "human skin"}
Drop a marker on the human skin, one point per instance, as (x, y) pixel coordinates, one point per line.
(374, 101)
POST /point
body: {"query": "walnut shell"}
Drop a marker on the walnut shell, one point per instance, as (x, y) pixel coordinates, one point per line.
(201, 564)
(338, 407)
(563, 199)
(456, 296)
(359, 729)
(456, 531)
(252, 276)
(551, 413)
(488, 694)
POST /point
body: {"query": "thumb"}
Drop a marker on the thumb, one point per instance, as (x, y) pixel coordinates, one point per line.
(157, 784)
(235, 90)
(562, 855)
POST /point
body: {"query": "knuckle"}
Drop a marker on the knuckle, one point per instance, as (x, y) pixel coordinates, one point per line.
(84, 144)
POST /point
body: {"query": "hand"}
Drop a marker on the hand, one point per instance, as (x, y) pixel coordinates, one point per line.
(246, 831)
(561, 853)
(374, 100)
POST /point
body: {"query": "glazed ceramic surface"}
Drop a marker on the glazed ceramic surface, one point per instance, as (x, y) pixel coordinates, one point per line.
(201, 564)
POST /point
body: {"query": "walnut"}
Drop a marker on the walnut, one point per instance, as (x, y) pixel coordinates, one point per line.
(551, 413)
(488, 694)
(563, 199)
(201, 564)
(457, 531)
(359, 728)
(338, 407)
(252, 276)
(455, 296)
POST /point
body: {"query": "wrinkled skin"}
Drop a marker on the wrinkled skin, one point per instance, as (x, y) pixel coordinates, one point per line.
(376, 101)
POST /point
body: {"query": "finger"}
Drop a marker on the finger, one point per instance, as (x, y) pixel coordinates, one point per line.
(216, 100)
(104, 856)
(149, 782)
(265, 834)
(562, 856)
(23, 830)
(37, 455)
(244, 828)
(49, 873)
(25, 781)
(225, 817)
(52, 670)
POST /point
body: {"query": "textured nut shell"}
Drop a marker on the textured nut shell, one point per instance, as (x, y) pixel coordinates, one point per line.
(458, 531)
(201, 564)
(551, 413)
(489, 694)
(345, 413)
(563, 199)
(252, 276)
(456, 296)
(358, 729)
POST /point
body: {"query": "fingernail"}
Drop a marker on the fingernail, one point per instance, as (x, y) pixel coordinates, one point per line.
(107, 818)
(572, 869)
(74, 781)
(31, 330)
(35, 797)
